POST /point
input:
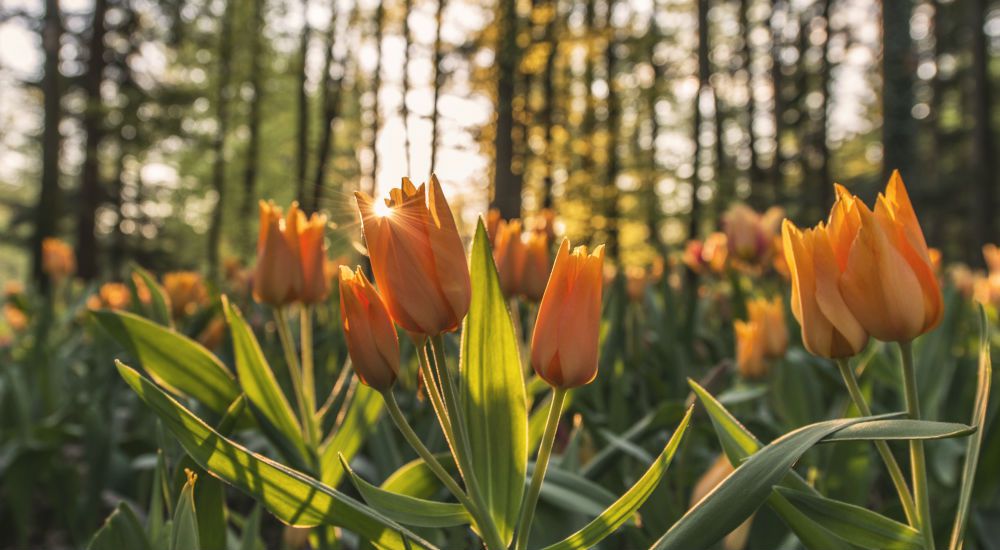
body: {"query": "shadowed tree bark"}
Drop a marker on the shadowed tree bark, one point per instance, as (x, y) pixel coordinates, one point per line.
(376, 86)
(302, 149)
(898, 65)
(614, 120)
(506, 188)
(984, 163)
(331, 108)
(219, 143)
(777, 180)
(49, 197)
(438, 81)
(91, 192)
(694, 221)
(404, 110)
(254, 117)
(549, 92)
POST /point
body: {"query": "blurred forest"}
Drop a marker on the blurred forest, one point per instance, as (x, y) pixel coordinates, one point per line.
(147, 130)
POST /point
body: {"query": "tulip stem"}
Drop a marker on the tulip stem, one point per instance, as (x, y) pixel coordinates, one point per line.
(308, 373)
(541, 465)
(292, 360)
(918, 461)
(895, 472)
(462, 448)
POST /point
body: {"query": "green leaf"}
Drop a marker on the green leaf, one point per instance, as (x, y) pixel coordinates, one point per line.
(251, 531)
(185, 521)
(493, 393)
(406, 509)
(360, 422)
(901, 428)
(258, 381)
(158, 298)
(979, 410)
(619, 512)
(572, 492)
(174, 361)
(121, 530)
(417, 480)
(291, 496)
(855, 524)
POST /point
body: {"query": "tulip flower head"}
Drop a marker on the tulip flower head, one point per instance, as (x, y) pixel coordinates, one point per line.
(371, 336)
(536, 266)
(113, 296)
(564, 343)
(751, 345)
(186, 291)
(312, 252)
(769, 315)
(278, 277)
(417, 257)
(58, 259)
(509, 254)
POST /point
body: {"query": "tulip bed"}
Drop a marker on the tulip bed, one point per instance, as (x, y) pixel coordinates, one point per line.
(818, 388)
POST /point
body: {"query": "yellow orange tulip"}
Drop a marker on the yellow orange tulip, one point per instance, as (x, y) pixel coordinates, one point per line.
(315, 285)
(278, 276)
(186, 291)
(769, 315)
(417, 257)
(58, 259)
(887, 279)
(751, 345)
(110, 296)
(991, 253)
(829, 328)
(15, 318)
(535, 272)
(509, 254)
(564, 343)
(715, 251)
(716, 473)
(493, 219)
(371, 336)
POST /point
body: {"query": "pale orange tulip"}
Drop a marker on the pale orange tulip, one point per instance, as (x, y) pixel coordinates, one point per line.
(110, 296)
(186, 291)
(751, 345)
(371, 336)
(535, 272)
(769, 315)
(312, 252)
(508, 251)
(417, 258)
(716, 473)
(278, 276)
(564, 344)
(58, 259)
(15, 318)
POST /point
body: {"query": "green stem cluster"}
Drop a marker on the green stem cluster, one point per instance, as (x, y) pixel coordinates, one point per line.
(541, 465)
(918, 461)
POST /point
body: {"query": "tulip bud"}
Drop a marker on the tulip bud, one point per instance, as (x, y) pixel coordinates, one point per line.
(58, 259)
(745, 233)
(509, 252)
(564, 343)
(769, 315)
(418, 258)
(888, 280)
(715, 251)
(278, 276)
(493, 219)
(716, 473)
(829, 329)
(535, 272)
(371, 336)
(185, 290)
(750, 348)
(315, 285)
(15, 317)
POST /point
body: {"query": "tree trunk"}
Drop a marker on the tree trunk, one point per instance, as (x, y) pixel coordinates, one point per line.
(777, 85)
(253, 123)
(898, 65)
(91, 193)
(438, 82)
(219, 143)
(49, 197)
(614, 119)
(376, 86)
(506, 188)
(822, 133)
(653, 213)
(404, 110)
(754, 173)
(302, 150)
(984, 163)
(548, 112)
(694, 222)
(331, 108)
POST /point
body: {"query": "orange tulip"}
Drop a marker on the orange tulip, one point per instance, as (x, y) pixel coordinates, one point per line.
(186, 291)
(278, 277)
(213, 333)
(315, 285)
(716, 473)
(417, 257)
(509, 253)
(493, 219)
(692, 256)
(15, 318)
(544, 222)
(371, 336)
(110, 296)
(535, 272)
(829, 329)
(636, 281)
(991, 253)
(745, 233)
(887, 280)
(715, 251)
(769, 315)
(58, 259)
(751, 344)
(564, 344)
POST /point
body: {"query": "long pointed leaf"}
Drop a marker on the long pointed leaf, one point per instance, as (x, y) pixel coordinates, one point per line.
(359, 423)
(291, 496)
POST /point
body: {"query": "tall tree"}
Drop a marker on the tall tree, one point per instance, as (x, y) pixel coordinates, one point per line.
(376, 87)
(898, 66)
(254, 117)
(549, 92)
(754, 171)
(438, 81)
(404, 110)
(653, 210)
(777, 179)
(302, 150)
(219, 142)
(91, 191)
(694, 221)
(611, 197)
(823, 129)
(506, 188)
(331, 107)
(984, 164)
(49, 196)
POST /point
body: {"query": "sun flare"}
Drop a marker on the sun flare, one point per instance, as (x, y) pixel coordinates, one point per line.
(382, 210)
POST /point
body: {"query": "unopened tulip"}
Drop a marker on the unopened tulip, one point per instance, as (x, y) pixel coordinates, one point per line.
(564, 343)
(888, 281)
(692, 256)
(371, 336)
(535, 272)
(829, 329)
(186, 291)
(15, 318)
(417, 257)
(312, 257)
(508, 251)
(493, 219)
(715, 251)
(278, 277)
(745, 234)
(769, 315)
(751, 345)
(58, 259)
(716, 473)
(110, 296)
